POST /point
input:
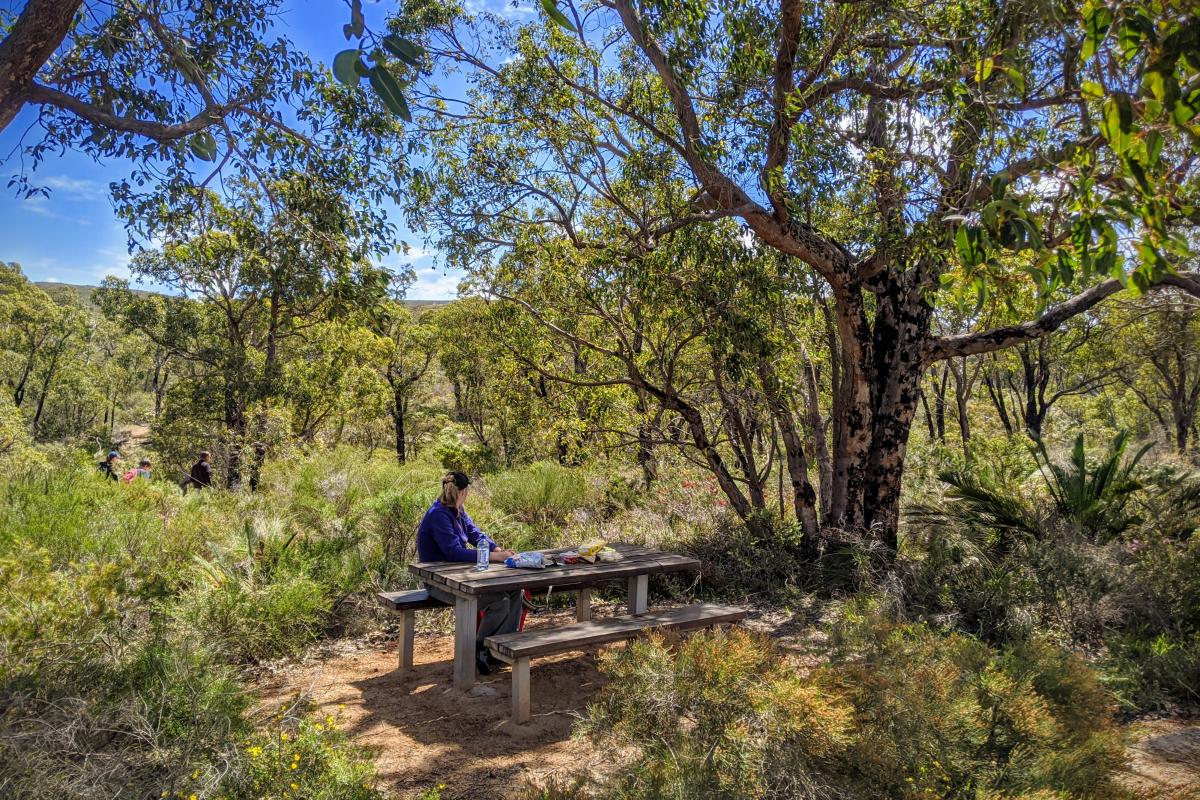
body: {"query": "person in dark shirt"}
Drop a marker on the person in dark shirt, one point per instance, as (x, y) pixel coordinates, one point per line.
(443, 535)
(201, 474)
(109, 467)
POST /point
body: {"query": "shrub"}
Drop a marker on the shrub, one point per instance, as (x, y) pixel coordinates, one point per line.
(1153, 671)
(311, 758)
(101, 699)
(740, 561)
(723, 716)
(395, 516)
(949, 716)
(543, 493)
(248, 620)
(452, 453)
(900, 712)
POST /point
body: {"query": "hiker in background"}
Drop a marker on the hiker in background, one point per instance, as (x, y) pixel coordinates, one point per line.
(201, 474)
(142, 470)
(108, 467)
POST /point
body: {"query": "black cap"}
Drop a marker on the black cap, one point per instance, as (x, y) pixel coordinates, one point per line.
(461, 481)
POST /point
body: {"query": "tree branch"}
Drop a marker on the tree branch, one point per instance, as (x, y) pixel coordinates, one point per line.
(1000, 338)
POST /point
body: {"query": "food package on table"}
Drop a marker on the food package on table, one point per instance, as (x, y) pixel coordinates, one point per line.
(608, 555)
(588, 551)
(567, 557)
(533, 559)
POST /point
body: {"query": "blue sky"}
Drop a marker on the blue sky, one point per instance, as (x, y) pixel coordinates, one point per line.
(73, 236)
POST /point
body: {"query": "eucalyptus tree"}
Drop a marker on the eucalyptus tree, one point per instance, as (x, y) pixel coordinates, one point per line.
(1025, 382)
(191, 93)
(695, 335)
(39, 339)
(411, 353)
(1164, 332)
(248, 277)
(901, 154)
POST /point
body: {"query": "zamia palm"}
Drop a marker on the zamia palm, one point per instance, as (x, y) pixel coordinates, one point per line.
(1090, 495)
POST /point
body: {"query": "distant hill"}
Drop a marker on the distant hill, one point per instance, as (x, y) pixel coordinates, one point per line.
(84, 293)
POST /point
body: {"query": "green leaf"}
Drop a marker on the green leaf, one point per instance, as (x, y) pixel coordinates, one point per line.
(1097, 19)
(1016, 78)
(388, 89)
(983, 69)
(551, 9)
(204, 146)
(357, 25)
(408, 52)
(1092, 89)
(344, 67)
(968, 241)
(1117, 122)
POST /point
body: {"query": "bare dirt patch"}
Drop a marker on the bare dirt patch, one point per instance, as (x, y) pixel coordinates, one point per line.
(1166, 758)
(424, 732)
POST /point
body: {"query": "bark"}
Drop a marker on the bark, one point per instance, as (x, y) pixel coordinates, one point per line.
(399, 413)
(902, 325)
(804, 499)
(817, 427)
(37, 33)
(996, 392)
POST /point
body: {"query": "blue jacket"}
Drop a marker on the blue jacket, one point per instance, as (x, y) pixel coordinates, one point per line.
(445, 533)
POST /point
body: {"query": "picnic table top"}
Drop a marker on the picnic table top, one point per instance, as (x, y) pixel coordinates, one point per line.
(462, 577)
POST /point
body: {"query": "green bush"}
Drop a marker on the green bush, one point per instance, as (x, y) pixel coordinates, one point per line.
(311, 758)
(102, 698)
(544, 493)
(900, 712)
(1151, 671)
(248, 620)
(452, 453)
(739, 561)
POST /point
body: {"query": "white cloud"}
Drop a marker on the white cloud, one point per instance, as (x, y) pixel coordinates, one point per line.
(513, 10)
(435, 285)
(41, 206)
(75, 188)
(419, 253)
(116, 264)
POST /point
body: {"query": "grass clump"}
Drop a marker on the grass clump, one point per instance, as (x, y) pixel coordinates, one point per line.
(543, 494)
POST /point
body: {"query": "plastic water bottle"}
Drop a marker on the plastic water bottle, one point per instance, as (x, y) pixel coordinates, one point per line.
(482, 557)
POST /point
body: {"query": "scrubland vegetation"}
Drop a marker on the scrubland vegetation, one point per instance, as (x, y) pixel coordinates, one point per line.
(886, 312)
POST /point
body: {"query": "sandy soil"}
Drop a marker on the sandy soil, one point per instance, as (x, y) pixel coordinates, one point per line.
(1166, 757)
(424, 732)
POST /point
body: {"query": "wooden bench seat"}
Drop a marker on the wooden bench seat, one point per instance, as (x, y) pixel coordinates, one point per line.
(405, 604)
(518, 648)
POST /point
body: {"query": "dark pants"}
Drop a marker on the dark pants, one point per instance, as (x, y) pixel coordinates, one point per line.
(501, 612)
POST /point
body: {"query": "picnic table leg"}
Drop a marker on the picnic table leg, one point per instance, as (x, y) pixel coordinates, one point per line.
(465, 611)
(638, 586)
(407, 632)
(520, 691)
(583, 606)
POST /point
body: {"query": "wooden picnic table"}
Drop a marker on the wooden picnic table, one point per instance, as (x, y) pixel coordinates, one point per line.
(462, 580)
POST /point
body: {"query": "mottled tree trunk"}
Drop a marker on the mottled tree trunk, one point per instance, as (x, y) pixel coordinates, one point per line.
(901, 334)
(37, 33)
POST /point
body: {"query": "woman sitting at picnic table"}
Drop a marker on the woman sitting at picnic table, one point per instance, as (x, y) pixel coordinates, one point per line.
(444, 534)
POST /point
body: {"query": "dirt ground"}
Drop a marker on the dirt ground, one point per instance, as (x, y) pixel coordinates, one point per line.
(425, 733)
(1166, 757)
